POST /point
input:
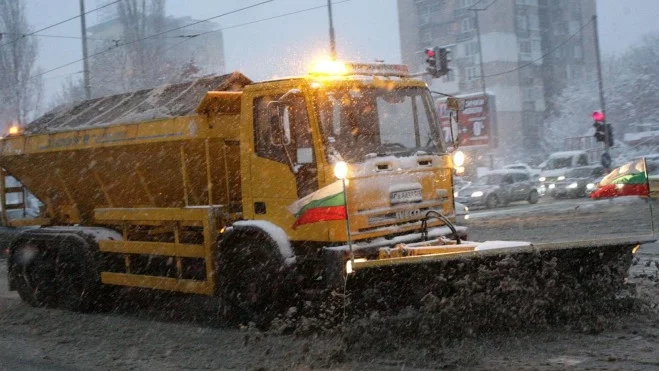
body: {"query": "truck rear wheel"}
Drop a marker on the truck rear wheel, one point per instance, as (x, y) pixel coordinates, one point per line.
(250, 277)
(78, 283)
(33, 271)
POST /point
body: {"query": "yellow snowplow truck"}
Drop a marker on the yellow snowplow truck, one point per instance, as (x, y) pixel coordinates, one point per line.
(259, 193)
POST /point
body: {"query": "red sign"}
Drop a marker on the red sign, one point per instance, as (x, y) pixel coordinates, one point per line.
(473, 122)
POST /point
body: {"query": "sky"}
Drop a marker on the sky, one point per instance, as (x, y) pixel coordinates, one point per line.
(366, 30)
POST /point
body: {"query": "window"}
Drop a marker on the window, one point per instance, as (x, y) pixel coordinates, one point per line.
(295, 133)
(533, 22)
(466, 3)
(470, 48)
(426, 36)
(525, 47)
(521, 177)
(472, 73)
(522, 23)
(583, 160)
(450, 76)
(468, 24)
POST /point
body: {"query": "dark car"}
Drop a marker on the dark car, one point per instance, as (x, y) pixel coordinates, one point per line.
(499, 187)
(578, 182)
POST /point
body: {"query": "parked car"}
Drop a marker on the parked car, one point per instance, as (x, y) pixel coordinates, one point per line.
(499, 187)
(578, 182)
(525, 167)
(559, 163)
(459, 183)
(461, 213)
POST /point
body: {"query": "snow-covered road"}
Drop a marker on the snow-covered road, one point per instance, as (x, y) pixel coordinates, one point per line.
(52, 339)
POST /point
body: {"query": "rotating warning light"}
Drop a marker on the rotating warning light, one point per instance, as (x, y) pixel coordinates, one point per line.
(328, 67)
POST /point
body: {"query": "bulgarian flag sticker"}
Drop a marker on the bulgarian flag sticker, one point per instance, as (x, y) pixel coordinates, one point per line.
(628, 180)
(327, 203)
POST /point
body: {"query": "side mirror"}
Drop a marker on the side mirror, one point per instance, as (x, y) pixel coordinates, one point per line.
(455, 105)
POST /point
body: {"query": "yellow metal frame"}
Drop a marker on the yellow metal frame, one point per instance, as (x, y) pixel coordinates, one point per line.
(205, 217)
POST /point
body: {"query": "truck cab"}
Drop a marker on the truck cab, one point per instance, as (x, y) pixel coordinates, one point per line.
(376, 121)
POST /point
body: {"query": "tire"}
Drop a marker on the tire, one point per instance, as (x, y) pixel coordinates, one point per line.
(491, 202)
(78, 281)
(33, 271)
(251, 275)
(533, 197)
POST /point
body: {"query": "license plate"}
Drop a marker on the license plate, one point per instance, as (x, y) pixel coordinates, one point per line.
(413, 195)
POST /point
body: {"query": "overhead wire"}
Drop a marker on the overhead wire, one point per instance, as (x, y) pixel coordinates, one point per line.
(189, 37)
(58, 23)
(148, 37)
(544, 55)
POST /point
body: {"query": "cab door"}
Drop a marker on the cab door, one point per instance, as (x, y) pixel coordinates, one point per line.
(283, 165)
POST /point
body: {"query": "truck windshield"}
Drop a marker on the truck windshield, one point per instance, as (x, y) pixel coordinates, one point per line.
(362, 122)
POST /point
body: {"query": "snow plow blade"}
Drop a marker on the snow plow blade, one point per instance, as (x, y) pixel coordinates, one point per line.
(496, 279)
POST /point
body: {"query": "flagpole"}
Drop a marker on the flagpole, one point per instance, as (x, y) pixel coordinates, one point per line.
(345, 198)
(647, 181)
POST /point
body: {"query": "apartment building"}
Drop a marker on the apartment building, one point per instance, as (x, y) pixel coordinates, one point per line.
(530, 50)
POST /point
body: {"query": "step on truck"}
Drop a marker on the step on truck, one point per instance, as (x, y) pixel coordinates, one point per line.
(262, 192)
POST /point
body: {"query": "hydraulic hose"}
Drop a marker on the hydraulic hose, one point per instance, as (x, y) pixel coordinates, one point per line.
(436, 215)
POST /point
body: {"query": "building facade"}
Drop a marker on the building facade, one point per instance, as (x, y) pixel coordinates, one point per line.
(530, 50)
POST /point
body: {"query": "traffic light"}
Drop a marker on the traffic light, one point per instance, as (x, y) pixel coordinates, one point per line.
(432, 62)
(599, 131)
(603, 131)
(443, 60)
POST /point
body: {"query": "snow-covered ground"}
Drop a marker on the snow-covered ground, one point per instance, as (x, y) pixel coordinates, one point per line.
(148, 338)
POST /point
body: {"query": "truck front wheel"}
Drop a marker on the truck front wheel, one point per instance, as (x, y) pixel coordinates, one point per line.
(251, 277)
(33, 274)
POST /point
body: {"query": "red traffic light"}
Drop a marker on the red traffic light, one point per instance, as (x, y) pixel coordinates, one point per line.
(598, 116)
(430, 53)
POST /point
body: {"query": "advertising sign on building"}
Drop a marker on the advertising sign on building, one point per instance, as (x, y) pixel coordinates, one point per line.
(474, 121)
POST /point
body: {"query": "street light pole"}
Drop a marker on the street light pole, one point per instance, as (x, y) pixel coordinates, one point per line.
(331, 31)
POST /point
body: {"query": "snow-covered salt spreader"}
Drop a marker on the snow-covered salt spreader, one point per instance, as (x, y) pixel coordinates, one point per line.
(262, 194)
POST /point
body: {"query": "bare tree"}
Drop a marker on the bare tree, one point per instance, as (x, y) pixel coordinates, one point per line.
(20, 83)
(141, 19)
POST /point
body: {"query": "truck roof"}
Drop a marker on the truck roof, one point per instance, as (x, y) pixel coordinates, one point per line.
(142, 105)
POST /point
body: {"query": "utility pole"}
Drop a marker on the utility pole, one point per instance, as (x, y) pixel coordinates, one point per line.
(85, 63)
(600, 84)
(480, 51)
(331, 31)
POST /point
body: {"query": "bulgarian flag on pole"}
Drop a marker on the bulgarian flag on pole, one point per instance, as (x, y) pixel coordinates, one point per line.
(628, 180)
(327, 203)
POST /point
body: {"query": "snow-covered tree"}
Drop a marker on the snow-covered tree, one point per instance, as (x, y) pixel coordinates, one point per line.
(20, 83)
(631, 91)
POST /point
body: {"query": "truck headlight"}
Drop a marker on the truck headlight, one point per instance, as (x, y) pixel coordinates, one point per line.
(458, 158)
(477, 194)
(341, 170)
(572, 185)
(590, 186)
(552, 186)
(542, 179)
(562, 177)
